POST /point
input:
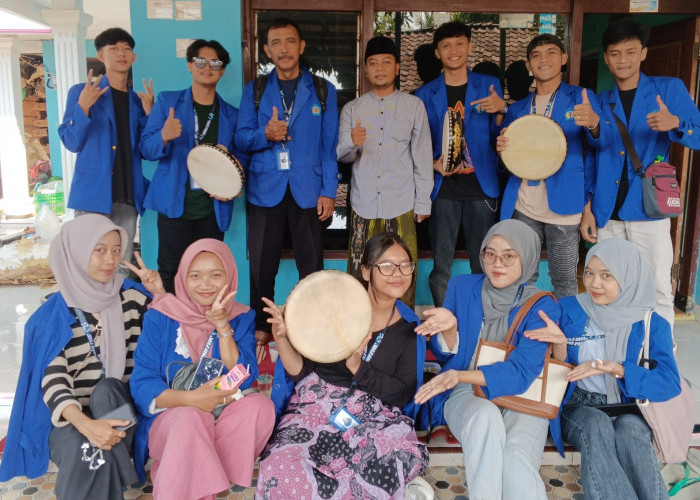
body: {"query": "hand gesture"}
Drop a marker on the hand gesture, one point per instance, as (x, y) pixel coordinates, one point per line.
(102, 433)
(206, 398)
(440, 383)
(662, 120)
(218, 315)
(276, 319)
(147, 97)
(550, 332)
(172, 128)
(276, 129)
(584, 116)
(149, 278)
(491, 104)
(325, 207)
(354, 361)
(436, 320)
(359, 133)
(91, 93)
(502, 141)
(595, 367)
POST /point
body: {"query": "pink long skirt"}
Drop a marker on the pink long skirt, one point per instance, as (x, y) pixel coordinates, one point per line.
(197, 458)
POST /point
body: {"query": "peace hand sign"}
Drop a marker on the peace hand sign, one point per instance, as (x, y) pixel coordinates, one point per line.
(149, 278)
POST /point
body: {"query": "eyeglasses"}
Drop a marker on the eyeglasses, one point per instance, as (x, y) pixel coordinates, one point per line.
(201, 63)
(388, 268)
(507, 258)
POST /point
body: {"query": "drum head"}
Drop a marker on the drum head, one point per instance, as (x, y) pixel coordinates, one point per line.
(216, 170)
(451, 141)
(536, 147)
(328, 315)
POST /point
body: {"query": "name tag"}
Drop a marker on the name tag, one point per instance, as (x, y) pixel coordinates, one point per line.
(283, 160)
(193, 184)
(343, 420)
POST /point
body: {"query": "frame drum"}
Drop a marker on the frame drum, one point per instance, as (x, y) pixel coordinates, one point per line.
(536, 147)
(216, 170)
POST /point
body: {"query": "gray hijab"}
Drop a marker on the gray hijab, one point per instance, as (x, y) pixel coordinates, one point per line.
(637, 295)
(497, 302)
(69, 256)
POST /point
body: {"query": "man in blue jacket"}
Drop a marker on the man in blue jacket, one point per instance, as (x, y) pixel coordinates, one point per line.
(469, 195)
(293, 175)
(103, 123)
(553, 206)
(655, 111)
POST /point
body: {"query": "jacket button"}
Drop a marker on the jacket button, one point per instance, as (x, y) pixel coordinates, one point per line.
(617, 182)
(622, 153)
(690, 131)
(71, 122)
(114, 147)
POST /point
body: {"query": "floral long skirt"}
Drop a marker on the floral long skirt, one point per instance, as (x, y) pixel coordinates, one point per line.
(307, 457)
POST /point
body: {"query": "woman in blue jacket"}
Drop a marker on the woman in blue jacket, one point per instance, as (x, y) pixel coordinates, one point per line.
(603, 332)
(502, 448)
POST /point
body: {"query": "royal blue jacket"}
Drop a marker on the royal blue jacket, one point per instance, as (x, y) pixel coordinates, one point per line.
(660, 384)
(168, 186)
(156, 349)
(480, 129)
(45, 335)
(94, 138)
(283, 386)
(313, 164)
(507, 378)
(648, 143)
(567, 189)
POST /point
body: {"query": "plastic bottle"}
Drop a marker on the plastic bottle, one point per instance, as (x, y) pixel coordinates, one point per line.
(46, 224)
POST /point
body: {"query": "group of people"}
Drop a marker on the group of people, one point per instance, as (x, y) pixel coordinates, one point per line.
(115, 345)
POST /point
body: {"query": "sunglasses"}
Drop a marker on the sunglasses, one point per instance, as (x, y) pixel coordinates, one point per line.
(201, 63)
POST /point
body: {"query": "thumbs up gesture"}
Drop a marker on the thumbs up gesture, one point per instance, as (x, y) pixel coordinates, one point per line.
(172, 128)
(491, 104)
(276, 129)
(662, 120)
(358, 133)
(584, 116)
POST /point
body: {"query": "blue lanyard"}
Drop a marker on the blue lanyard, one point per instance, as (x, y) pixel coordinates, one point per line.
(88, 334)
(548, 109)
(585, 337)
(197, 136)
(517, 298)
(288, 111)
(210, 340)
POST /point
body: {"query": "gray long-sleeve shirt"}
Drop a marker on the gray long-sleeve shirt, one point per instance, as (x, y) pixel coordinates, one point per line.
(392, 172)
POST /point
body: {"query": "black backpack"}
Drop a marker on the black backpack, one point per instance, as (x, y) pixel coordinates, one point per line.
(320, 85)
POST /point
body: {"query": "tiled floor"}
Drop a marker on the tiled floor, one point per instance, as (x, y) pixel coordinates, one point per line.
(17, 303)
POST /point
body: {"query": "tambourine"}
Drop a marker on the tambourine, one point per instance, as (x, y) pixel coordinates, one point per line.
(216, 170)
(536, 147)
(452, 141)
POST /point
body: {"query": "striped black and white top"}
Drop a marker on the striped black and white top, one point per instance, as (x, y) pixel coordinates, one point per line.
(71, 376)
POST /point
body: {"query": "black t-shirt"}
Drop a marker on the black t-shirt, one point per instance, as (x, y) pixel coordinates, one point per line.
(462, 186)
(627, 99)
(198, 203)
(288, 88)
(122, 176)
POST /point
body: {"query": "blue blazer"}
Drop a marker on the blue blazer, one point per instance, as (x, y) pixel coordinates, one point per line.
(660, 384)
(94, 138)
(480, 129)
(156, 349)
(46, 334)
(568, 189)
(167, 192)
(314, 135)
(283, 386)
(506, 378)
(648, 143)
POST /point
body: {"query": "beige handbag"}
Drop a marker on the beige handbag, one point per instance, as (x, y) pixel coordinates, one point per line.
(544, 396)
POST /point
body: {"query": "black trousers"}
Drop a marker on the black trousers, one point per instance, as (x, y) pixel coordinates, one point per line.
(174, 236)
(266, 226)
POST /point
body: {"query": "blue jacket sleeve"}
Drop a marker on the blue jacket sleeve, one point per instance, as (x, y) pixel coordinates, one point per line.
(148, 378)
(249, 136)
(151, 141)
(681, 104)
(73, 131)
(449, 304)
(329, 160)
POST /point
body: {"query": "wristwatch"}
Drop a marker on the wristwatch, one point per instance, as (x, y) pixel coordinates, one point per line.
(504, 110)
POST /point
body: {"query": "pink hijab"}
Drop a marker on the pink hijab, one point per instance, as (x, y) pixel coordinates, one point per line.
(183, 309)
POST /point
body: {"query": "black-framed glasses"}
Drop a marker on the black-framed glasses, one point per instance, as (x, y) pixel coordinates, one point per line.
(506, 258)
(201, 63)
(388, 268)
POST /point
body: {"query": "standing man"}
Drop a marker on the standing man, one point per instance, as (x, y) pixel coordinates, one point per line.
(553, 206)
(655, 111)
(181, 120)
(385, 135)
(467, 196)
(289, 124)
(103, 123)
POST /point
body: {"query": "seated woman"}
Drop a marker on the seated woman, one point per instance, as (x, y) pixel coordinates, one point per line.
(196, 455)
(76, 362)
(308, 457)
(603, 332)
(502, 448)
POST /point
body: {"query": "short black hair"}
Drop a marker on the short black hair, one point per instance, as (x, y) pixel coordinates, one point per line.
(283, 22)
(428, 66)
(375, 248)
(518, 80)
(489, 68)
(451, 29)
(544, 39)
(221, 53)
(625, 29)
(112, 36)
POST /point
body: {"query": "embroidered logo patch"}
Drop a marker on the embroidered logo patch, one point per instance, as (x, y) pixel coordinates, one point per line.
(316, 109)
(569, 114)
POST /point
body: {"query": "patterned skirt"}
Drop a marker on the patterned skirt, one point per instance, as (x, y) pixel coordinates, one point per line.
(307, 457)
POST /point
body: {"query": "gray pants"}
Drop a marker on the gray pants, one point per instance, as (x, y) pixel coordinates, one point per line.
(75, 479)
(126, 216)
(502, 448)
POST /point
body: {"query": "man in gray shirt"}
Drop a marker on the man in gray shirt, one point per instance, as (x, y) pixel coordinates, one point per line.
(386, 136)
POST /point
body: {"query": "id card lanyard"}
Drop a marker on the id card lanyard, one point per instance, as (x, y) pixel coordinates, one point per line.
(88, 334)
(283, 162)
